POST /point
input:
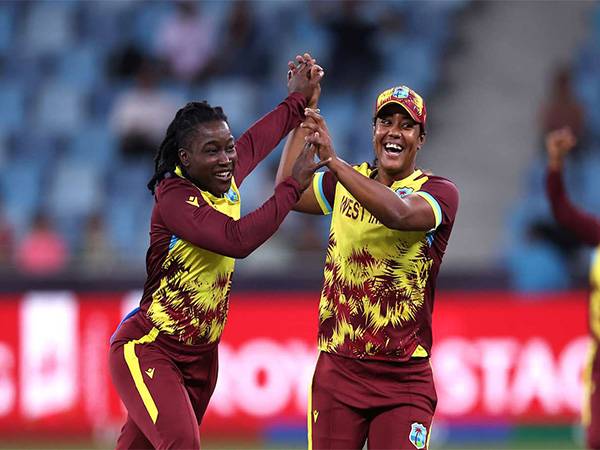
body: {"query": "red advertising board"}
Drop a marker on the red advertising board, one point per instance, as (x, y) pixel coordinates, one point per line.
(496, 356)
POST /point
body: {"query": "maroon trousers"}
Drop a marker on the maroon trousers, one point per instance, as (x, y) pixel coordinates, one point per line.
(389, 405)
(164, 385)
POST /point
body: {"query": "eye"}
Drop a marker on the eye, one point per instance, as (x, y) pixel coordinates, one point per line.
(211, 150)
(408, 125)
(385, 121)
(230, 148)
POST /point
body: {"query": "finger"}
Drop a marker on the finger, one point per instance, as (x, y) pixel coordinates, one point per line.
(316, 73)
(315, 139)
(311, 126)
(322, 163)
(291, 65)
(313, 114)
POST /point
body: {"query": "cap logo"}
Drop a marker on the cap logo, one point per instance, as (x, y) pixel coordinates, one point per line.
(400, 92)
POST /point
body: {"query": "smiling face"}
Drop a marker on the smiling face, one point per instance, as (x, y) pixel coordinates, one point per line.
(396, 140)
(210, 157)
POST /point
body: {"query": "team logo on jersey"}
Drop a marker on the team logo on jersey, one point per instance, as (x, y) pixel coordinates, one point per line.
(193, 201)
(404, 191)
(418, 435)
(150, 372)
(232, 195)
(315, 415)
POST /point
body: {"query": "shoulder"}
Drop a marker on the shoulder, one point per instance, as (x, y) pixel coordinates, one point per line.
(174, 186)
(442, 194)
(363, 168)
(437, 183)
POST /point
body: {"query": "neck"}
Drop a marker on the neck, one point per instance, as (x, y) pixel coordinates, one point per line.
(389, 178)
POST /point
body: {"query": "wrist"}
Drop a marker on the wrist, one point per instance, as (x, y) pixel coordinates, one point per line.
(555, 163)
(336, 164)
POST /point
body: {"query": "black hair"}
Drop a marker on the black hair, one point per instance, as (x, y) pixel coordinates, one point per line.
(178, 135)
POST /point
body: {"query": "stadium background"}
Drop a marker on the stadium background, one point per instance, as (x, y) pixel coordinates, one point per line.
(85, 90)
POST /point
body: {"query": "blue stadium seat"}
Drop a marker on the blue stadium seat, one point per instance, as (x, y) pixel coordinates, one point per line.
(60, 108)
(237, 96)
(93, 144)
(13, 103)
(81, 67)
(7, 19)
(49, 27)
(75, 189)
(21, 188)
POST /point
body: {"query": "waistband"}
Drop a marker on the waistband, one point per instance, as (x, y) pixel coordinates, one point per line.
(170, 343)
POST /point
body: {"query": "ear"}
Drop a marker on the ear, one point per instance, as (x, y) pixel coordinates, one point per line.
(422, 139)
(184, 157)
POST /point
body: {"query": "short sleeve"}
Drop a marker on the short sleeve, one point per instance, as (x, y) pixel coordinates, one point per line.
(442, 195)
(324, 188)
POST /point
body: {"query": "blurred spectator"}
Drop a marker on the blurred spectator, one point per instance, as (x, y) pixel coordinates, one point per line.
(354, 57)
(186, 41)
(536, 264)
(43, 251)
(562, 108)
(96, 254)
(141, 115)
(6, 239)
(125, 62)
(243, 52)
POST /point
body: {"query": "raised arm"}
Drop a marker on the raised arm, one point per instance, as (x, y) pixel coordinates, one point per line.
(296, 139)
(262, 137)
(412, 212)
(587, 228)
(202, 225)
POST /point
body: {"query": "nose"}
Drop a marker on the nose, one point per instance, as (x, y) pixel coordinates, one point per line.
(224, 157)
(395, 131)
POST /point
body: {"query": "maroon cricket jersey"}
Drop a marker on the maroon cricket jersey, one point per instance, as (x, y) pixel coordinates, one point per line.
(195, 236)
(587, 229)
(379, 287)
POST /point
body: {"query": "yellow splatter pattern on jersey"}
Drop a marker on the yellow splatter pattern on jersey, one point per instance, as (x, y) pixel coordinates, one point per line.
(192, 300)
(595, 295)
(375, 280)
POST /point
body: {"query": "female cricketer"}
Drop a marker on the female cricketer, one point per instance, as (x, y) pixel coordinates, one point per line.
(163, 357)
(389, 229)
(587, 229)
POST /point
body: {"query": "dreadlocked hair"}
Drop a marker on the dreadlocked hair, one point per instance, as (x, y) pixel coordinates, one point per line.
(179, 132)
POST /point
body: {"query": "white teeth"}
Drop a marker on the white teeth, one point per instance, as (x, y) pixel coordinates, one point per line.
(226, 174)
(394, 147)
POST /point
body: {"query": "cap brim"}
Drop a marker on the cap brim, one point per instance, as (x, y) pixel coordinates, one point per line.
(410, 113)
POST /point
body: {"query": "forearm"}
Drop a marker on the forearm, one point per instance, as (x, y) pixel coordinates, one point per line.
(378, 199)
(586, 227)
(293, 146)
(241, 237)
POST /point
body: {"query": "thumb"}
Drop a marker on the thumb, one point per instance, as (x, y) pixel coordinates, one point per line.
(322, 164)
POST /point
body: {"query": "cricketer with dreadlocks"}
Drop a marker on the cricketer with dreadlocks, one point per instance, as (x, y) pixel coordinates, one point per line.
(163, 356)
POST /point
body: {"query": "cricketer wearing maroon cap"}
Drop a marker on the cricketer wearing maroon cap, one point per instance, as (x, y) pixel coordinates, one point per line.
(163, 357)
(587, 229)
(389, 229)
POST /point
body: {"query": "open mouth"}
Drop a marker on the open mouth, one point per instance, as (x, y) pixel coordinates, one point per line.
(224, 175)
(394, 149)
